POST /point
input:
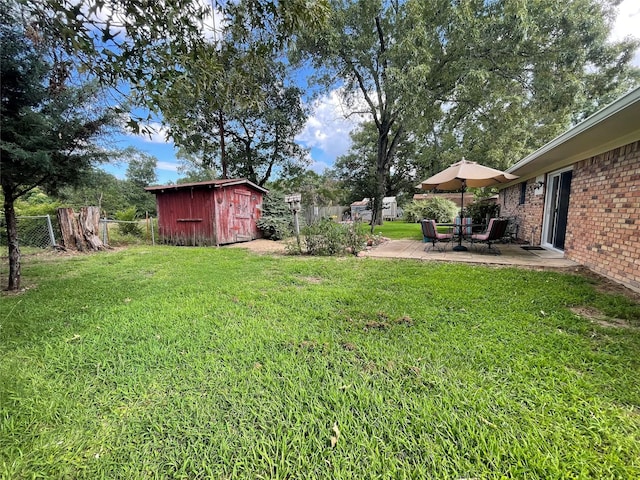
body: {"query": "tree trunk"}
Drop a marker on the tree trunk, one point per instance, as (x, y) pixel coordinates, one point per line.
(89, 222)
(72, 239)
(386, 150)
(381, 184)
(12, 240)
(223, 151)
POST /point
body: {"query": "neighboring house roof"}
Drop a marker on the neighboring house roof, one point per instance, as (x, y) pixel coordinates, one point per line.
(365, 201)
(615, 125)
(361, 203)
(208, 184)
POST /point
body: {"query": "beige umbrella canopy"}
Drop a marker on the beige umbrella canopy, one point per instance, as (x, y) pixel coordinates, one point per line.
(465, 174)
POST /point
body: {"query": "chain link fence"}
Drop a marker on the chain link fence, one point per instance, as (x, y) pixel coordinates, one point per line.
(44, 232)
(37, 231)
(124, 232)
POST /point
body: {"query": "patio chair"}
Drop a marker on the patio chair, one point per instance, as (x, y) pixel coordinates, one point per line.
(494, 233)
(430, 234)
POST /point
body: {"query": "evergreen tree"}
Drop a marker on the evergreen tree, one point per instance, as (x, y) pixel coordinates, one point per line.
(48, 130)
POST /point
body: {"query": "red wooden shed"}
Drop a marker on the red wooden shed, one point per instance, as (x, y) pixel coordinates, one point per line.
(215, 212)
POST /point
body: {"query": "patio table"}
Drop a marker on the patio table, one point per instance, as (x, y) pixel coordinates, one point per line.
(457, 227)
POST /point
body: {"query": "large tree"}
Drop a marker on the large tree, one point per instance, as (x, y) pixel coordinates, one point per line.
(356, 48)
(49, 129)
(524, 71)
(152, 47)
(491, 75)
(356, 170)
(201, 66)
(244, 125)
(263, 136)
(141, 172)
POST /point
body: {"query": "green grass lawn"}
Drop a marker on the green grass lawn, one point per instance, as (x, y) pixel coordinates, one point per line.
(400, 230)
(194, 363)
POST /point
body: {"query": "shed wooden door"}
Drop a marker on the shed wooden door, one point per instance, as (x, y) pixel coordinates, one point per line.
(241, 216)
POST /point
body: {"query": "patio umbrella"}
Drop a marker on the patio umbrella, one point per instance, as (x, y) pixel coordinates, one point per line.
(465, 174)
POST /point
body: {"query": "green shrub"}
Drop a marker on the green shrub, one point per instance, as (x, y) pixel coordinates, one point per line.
(439, 209)
(128, 215)
(481, 210)
(326, 237)
(276, 220)
(36, 203)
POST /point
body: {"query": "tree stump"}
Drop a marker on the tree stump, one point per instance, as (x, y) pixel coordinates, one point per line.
(89, 221)
(70, 229)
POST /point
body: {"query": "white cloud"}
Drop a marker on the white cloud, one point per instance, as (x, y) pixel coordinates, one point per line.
(328, 126)
(626, 24)
(211, 25)
(168, 166)
(155, 132)
(318, 166)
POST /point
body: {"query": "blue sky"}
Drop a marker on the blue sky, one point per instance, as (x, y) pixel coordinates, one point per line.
(327, 130)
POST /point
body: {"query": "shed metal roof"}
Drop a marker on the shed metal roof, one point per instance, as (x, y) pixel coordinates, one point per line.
(207, 184)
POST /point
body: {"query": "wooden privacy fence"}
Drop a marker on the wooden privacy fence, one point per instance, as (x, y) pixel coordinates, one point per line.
(313, 213)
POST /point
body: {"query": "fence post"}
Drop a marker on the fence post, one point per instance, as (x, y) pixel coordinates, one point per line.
(153, 238)
(52, 237)
(105, 240)
(294, 205)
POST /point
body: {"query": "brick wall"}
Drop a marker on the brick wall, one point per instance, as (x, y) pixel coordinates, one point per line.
(603, 224)
(603, 231)
(529, 213)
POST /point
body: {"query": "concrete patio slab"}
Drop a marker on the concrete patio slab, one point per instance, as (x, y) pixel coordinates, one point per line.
(510, 254)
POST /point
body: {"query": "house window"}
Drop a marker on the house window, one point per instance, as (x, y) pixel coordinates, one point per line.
(523, 192)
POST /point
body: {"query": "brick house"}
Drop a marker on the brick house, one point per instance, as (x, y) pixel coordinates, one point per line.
(580, 193)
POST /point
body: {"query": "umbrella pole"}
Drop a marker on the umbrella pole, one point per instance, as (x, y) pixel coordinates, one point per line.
(460, 247)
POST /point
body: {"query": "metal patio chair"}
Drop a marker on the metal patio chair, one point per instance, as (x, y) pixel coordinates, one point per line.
(430, 234)
(494, 233)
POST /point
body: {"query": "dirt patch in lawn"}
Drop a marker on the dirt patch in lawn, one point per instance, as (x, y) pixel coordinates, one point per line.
(262, 245)
(596, 316)
(312, 280)
(605, 285)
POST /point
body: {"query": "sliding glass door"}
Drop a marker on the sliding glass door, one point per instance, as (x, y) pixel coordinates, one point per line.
(556, 209)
